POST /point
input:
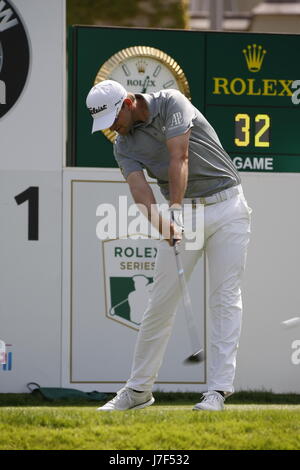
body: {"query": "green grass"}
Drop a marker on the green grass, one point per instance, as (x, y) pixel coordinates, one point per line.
(28, 422)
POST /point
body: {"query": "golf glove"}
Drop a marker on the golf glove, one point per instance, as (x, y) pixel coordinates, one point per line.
(176, 216)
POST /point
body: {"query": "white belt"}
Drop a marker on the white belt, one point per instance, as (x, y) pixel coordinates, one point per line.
(218, 197)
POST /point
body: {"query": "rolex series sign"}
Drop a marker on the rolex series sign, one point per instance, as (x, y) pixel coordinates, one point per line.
(247, 85)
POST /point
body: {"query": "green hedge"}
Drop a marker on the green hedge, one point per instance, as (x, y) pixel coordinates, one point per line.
(148, 13)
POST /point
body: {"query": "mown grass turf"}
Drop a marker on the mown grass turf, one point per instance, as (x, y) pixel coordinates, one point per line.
(156, 428)
(252, 420)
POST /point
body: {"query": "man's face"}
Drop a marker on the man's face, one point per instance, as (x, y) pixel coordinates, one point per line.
(123, 121)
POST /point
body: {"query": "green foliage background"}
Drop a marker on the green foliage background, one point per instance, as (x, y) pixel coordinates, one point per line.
(152, 13)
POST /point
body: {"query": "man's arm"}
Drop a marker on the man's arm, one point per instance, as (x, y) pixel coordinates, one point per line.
(141, 190)
(178, 169)
(144, 197)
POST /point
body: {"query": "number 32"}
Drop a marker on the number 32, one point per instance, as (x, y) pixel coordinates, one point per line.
(242, 130)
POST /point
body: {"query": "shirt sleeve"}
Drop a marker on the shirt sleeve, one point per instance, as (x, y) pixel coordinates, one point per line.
(179, 115)
(127, 165)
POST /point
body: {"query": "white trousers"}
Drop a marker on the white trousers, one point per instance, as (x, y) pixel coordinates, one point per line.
(226, 237)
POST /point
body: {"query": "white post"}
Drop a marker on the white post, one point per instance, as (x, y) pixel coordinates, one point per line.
(216, 13)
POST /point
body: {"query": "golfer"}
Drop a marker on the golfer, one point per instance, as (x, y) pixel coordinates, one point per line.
(164, 134)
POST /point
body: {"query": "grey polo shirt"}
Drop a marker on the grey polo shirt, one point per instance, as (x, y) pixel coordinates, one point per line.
(171, 114)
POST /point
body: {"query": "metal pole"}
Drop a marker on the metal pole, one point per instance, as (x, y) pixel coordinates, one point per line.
(216, 13)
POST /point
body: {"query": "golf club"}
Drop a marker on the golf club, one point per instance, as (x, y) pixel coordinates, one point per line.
(198, 354)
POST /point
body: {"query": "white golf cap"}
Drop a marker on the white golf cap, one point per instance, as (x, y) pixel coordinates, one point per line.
(104, 102)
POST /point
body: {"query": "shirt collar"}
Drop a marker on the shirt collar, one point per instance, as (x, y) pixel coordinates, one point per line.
(152, 107)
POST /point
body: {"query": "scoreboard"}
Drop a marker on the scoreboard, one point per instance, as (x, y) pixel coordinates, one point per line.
(242, 82)
(249, 99)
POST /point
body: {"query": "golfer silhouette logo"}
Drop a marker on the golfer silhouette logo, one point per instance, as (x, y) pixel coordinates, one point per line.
(136, 301)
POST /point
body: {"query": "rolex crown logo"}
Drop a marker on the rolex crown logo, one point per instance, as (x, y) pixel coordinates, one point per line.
(141, 65)
(254, 56)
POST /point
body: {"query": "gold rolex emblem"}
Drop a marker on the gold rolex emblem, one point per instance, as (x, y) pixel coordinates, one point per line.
(141, 66)
(254, 56)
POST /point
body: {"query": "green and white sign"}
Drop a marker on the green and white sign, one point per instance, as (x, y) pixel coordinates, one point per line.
(108, 290)
(129, 267)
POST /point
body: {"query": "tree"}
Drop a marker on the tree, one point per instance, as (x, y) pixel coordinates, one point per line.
(143, 13)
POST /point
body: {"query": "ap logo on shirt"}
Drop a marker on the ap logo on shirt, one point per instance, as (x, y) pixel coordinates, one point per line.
(177, 119)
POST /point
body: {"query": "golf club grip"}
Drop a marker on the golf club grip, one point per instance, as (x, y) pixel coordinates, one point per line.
(190, 319)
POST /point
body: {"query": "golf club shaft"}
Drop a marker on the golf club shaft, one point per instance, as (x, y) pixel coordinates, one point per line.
(188, 310)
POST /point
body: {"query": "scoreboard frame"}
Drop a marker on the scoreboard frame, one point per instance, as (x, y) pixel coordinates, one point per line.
(242, 82)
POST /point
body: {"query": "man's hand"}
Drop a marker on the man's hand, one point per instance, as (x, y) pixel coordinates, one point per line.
(176, 225)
